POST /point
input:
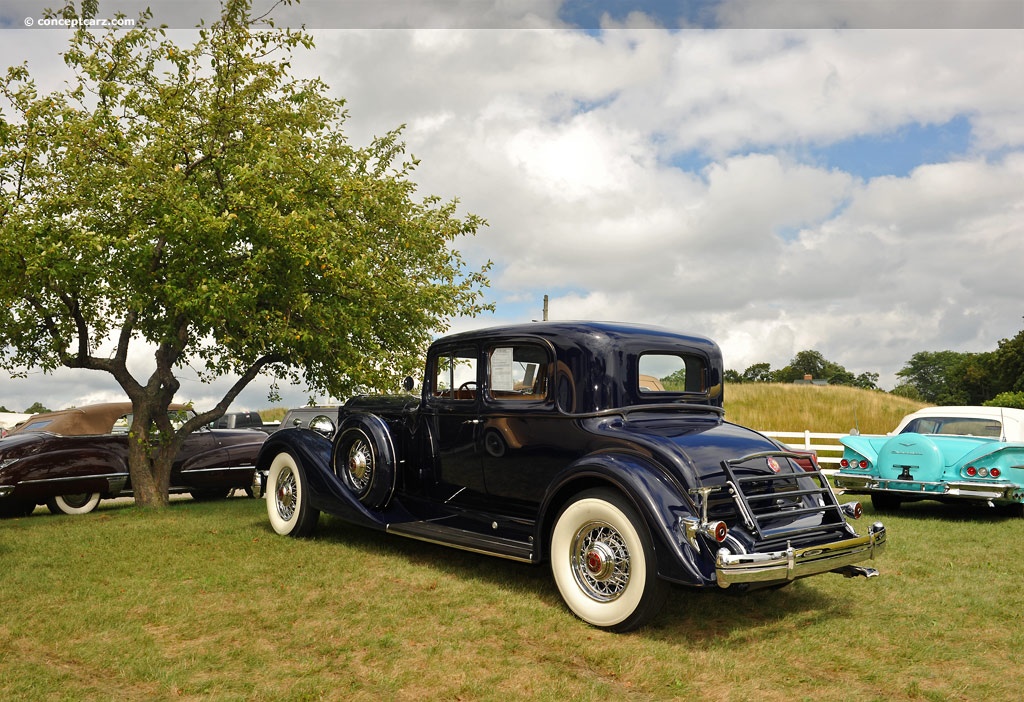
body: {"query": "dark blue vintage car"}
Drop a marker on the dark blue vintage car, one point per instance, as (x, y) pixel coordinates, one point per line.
(598, 448)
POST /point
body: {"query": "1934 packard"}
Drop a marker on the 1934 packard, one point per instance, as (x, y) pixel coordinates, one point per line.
(598, 448)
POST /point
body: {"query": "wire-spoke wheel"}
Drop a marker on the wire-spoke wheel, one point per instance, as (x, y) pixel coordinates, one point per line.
(364, 460)
(287, 503)
(359, 464)
(602, 559)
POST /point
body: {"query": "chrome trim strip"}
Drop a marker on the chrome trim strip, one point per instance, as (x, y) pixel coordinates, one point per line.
(791, 563)
(6, 490)
(188, 471)
(103, 476)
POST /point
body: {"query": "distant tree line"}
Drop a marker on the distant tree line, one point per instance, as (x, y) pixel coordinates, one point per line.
(805, 364)
(993, 378)
(35, 408)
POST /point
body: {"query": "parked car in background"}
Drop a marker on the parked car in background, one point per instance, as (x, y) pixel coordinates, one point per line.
(311, 417)
(598, 448)
(71, 459)
(950, 454)
(242, 420)
(9, 420)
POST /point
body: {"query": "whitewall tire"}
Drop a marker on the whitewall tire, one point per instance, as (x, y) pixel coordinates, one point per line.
(81, 503)
(287, 502)
(603, 562)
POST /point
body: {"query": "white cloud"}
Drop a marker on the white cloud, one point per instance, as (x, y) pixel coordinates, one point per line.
(677, 178)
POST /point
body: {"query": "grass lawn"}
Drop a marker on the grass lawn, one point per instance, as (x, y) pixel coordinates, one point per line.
(203, 601)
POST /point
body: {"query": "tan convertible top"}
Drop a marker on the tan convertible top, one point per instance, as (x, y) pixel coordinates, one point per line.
(80, 421)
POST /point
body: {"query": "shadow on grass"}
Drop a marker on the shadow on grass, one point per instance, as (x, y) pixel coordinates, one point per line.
(695, 614)
(932, 510)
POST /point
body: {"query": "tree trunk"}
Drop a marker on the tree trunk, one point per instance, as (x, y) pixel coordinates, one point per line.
(149, 468)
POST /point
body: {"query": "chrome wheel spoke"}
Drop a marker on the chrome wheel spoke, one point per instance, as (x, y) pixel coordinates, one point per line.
(600, 561)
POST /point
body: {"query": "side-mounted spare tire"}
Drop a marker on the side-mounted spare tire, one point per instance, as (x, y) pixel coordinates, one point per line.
(364, 459)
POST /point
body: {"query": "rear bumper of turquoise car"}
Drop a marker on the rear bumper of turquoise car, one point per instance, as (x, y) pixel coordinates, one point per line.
(968, 490)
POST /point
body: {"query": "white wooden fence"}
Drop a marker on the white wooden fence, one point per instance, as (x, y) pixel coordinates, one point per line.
(826, 446)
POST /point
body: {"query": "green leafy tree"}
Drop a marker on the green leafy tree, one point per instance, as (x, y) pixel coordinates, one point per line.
(36, 408)
(908, 391)
(202, 202)
(814, 364)
(1007, 399)
(758, 373)
(867, 381)
(949, 377)
(1008, 364)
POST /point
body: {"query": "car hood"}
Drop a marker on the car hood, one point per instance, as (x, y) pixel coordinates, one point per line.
(19, 446)
(386, 405)
(18, 442)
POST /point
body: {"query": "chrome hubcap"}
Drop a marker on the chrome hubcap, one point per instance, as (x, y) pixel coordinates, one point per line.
(600, 561)
(360, 465)
(78, 500)
(286, 494)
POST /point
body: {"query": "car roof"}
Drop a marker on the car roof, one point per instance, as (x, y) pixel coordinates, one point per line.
(601, 359)
(968, 411)
(579, 330)
(1006, 415)
(80, 421)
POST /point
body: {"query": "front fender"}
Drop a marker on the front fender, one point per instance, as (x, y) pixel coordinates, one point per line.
(661, 500)
(326, 491)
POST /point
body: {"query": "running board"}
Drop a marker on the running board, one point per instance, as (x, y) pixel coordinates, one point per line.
(435, 533)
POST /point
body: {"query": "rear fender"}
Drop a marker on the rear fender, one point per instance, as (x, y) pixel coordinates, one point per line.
(326, 493)
(1009, 458)
(661, 501)
(864, 445)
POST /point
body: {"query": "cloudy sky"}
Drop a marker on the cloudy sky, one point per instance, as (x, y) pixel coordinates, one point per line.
(779, 175)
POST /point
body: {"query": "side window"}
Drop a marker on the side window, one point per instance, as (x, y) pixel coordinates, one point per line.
(671, 373)
(454, 374)
(517, 372)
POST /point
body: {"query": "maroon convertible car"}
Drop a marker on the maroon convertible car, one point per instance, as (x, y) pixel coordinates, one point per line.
(71, 459)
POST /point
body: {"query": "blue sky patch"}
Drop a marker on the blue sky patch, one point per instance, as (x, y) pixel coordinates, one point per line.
(671, 14)
(900, 152)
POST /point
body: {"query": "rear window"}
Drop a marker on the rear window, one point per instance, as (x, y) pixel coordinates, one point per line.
(37, 425)
(671, 373)
(955, 426)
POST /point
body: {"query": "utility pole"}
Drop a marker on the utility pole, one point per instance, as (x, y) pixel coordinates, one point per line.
(545, 308)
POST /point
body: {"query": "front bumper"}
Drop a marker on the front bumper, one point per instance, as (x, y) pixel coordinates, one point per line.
(968, 490)
(259, 483)
(793, 563)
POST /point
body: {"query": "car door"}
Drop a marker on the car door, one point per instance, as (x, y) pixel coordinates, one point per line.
(452, 415)
(524, 439)
(202, 461)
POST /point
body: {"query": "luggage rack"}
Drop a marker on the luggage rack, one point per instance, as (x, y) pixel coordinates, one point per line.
(758, 510)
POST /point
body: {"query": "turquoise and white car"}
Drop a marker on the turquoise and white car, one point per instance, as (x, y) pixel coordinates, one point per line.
(949, 454)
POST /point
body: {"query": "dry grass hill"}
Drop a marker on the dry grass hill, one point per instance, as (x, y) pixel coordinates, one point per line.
(824, 409)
